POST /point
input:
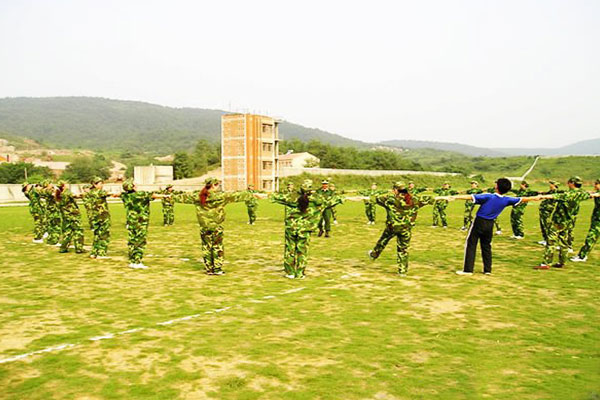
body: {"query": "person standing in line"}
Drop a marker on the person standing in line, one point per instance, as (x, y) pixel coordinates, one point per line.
(35, 209)
(100, 218)
(546, 209)
(304, 211)
(413, 189)
(168, 206)
(53, 215)
(137, 209)
(326, 213)
(401, 207)
(516, 214)
(370, 202)
(594, 232)
(567, 206)
(87, 204)
(469, 206)
(439, 206)
(482, 229)
(251, 205)
(72, 227)
(210, 205)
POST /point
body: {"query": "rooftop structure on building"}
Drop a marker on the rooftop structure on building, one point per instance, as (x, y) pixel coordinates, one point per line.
(250, 149)
(298, 160)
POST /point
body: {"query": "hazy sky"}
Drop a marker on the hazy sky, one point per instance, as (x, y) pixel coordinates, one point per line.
(482, 72)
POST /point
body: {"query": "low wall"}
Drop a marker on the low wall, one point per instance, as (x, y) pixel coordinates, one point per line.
(291, 171)
(13, 193)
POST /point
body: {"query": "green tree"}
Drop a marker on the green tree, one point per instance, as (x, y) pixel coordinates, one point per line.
(15, 173)
(182, 165)
(84, 169)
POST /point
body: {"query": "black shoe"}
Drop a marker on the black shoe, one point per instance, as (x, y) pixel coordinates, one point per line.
(557, 265)
(320, 233)
(327, 234)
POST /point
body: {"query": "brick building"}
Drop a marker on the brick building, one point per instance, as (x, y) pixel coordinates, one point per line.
(250, 149)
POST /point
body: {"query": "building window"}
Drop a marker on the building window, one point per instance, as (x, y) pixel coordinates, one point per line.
(267, 185)
(267, 128)
(267, 164)
(267, 147)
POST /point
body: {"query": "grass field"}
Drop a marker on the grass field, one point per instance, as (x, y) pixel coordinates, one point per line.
(352, 329)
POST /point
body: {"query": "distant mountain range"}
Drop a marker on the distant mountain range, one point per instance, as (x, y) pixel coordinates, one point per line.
(105, 124)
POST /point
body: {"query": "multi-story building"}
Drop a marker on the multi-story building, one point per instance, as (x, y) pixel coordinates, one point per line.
(250, 149)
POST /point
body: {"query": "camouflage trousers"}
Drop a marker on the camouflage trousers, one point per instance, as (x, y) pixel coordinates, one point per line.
(54, 227)
(370, 211)
(591, 239)
(212, 249)
(516, 221)
(39, 226)
(558, 236)
(101, 231)
(295, 254)
(325, 220)
(334, 213)
(468, 214)
(439, 214)
(137, 235)
(251, 214)
(403, 236)
(168, 215)
(545, 223)
(72, 230)
(570, 234)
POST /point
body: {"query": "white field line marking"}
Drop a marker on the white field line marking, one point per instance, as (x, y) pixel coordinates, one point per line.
(109, 336)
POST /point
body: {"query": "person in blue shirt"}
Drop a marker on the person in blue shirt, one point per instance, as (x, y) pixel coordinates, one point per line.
(482, 229)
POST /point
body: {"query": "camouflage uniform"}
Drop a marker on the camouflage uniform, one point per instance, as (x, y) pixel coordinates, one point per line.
(168, 207)
(439, 206)
(516, 214)
(53, 216)
(210, 218)
(100, 221)
(546, 209)
(72, 227)
(567, 203)
(251, 206)
(37, 212)
(326, 213)
(496, 223)
(87, 204)
(299, 226)
(370, 203)
(594, 232)
(400, 219)
(469, 207)
(137, 208)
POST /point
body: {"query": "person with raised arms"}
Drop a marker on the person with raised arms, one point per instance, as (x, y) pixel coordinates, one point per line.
(482, 228)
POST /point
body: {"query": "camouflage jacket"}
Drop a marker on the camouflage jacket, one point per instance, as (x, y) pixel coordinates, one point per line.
(87, 204)
(547, 206)
(295, 219)
(567, 205)
(444, 192)
(137, 207)
(251, 201)
(35, 201)
(371, 194)
(596, 211)
(51, 204)
(68, 205)
(523, 193)
(168, 201)
(212, 214)
(400, 214)
(473, 191)
(98, 204)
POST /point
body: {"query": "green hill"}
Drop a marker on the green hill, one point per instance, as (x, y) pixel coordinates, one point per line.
(105, 124)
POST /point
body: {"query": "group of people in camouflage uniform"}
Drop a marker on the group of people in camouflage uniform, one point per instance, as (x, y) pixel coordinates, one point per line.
(58, 219)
